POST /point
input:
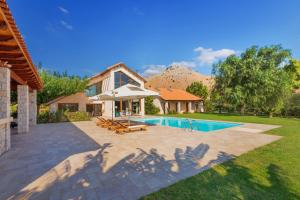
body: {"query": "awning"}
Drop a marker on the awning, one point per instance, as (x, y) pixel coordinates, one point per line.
(125, 92)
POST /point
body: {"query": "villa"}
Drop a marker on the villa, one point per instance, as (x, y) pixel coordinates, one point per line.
(114, 158)
(113, 77)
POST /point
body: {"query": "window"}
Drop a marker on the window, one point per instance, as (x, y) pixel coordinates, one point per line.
(72, 107)
(94, 89)
(122, 79)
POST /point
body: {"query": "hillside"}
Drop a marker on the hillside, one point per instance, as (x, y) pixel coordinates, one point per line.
(178, 77)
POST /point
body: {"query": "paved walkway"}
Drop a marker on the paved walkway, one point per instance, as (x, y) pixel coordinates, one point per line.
(82, 161)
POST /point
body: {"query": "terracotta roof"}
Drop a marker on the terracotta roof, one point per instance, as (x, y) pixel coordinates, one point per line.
(176, 95)
(116, 66)
(13, 50)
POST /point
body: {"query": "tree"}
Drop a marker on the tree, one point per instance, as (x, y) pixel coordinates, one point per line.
(256, 81)
(198, 89)
(293, 68)
(150, 108)
(57, 84)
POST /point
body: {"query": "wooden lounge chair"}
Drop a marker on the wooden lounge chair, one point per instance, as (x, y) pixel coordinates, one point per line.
(104, 123)
(131, 128)
(117, 125)
(100, 121)
(108, 123)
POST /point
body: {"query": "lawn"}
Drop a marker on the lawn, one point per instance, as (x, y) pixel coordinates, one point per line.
(269, 172)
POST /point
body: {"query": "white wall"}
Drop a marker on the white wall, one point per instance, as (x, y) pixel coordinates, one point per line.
(111, 85)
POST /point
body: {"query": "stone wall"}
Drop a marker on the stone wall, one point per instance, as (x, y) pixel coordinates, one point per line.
(23, 109)
(32, 107)
(4, 109)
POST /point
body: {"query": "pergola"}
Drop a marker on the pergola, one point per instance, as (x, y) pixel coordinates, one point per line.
(17, 72)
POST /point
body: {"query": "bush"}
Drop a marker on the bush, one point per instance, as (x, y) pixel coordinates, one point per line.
(292, 107)
(77, 116)
(62, 116)
(150, 108)
(209, 106)
(14, 110)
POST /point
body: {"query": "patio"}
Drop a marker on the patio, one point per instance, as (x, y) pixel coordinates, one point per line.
(82, 161)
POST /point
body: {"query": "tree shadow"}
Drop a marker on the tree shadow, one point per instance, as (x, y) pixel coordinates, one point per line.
(34, 153)
(130, 178)
(230, 181)
(73, 166)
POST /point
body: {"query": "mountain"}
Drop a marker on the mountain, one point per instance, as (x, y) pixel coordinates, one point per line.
(178, 77)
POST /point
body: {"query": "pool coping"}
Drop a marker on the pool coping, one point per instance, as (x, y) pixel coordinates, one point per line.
(241, 125)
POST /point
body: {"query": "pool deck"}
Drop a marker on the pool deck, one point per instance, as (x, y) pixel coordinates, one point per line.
(82, 161)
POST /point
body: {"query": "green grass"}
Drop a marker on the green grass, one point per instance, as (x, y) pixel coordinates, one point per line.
(269, 172)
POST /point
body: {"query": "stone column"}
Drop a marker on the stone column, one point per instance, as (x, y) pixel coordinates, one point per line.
(166, 107)
(4, 109)
(23, 109)
(190, 107)
(32, 108)
(142, 106)
(178, 107)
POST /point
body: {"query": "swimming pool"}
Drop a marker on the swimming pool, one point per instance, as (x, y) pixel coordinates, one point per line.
(191, 124)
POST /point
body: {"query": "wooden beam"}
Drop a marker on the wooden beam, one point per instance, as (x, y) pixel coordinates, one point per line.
(17, 78)
(14, 61)
(3, 25)
(4, 47)
(21, 69)
(19, 66)
(6, 38)
(4, 56)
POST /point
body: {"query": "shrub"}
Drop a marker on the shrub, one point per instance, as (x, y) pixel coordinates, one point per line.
(292, 106)
(77, 116)
(209, 106)
(150, 108)
(14, 110)
(62, 116)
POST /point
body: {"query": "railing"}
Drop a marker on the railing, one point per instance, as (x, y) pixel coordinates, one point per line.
(191, 125)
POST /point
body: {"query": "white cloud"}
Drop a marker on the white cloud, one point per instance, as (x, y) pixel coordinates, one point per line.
(209, 56)
(151, 70)
(63, 10)
(189, 64)
(205, 58)
(66, 25)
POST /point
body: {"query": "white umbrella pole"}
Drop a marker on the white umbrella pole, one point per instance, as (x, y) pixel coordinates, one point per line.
(129, 111)
(112, 110)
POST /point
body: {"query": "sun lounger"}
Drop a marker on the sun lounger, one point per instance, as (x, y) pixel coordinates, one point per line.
(104, 123)
(131, 128)
(117, 125)
(100, 121)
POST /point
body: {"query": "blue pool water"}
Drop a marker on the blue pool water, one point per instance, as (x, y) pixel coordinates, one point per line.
(198, 125)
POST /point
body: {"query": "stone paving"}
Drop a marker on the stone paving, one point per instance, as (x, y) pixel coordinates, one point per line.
(82, 161)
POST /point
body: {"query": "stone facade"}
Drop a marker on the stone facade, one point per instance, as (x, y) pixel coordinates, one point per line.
(23, 109)
(4, 109)
(32, 108)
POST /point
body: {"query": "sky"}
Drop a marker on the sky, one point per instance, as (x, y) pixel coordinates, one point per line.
(85, 37)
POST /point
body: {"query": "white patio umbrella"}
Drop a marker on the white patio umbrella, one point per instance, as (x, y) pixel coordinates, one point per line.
(125, 92)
